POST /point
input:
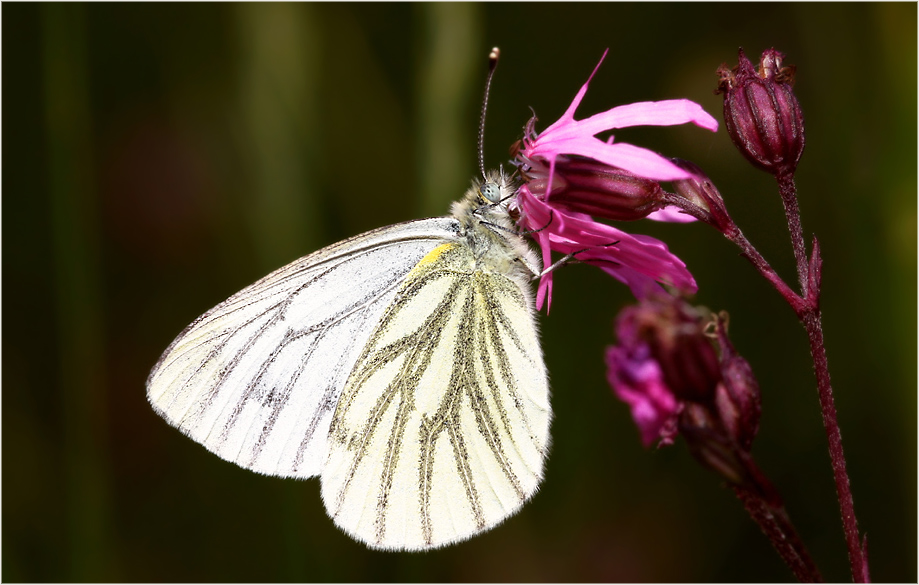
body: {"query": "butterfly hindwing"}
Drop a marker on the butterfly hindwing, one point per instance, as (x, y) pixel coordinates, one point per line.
(442, 428)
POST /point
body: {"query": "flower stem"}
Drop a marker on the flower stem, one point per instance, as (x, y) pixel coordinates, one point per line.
(752, 254)
(857, 554)
(723, 222)
(808, 312)
(789, 193)
(773, 520)
(807, 308)
(713, 445)
(811, 319)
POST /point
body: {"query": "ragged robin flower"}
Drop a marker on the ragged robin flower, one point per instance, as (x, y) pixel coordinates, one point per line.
(676, 369)
(571, 176)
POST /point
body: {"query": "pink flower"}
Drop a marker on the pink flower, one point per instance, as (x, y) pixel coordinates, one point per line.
(567, 160)
(637, 380)
(663, 361)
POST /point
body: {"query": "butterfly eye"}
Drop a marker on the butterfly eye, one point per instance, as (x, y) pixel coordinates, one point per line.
(491, 192)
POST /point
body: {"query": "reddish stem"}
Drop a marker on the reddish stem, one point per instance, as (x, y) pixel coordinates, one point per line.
(811, 319)
(793, 215)
(765, 506)
(774, 522)
(720, 219)
(857, 557)
(807, 308)
(752, 254)
(714, 447)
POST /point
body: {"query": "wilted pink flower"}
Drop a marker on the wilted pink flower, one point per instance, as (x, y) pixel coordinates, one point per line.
(625, 172)
(662, 359)
(637, 380)
(666, 368)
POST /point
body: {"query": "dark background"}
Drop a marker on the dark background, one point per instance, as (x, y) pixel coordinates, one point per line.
(157, 158)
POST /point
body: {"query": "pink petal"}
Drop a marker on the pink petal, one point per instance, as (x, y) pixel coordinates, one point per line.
(568, 116)
(641, 161)
(662, 113)
(570, 136)
(670, 214)
(638, 261)
(637, 380)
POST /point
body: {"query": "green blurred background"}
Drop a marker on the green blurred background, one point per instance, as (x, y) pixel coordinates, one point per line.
(158, 158)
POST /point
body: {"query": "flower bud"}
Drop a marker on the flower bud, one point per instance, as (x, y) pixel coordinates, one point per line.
(737, 398)
(666, 369)
(709, 445)
(697, 189)
(700, 191)
(738, 401)
(584, 185)
(762, 114)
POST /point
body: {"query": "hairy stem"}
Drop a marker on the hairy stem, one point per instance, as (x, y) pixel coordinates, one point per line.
(725, 224)
(765, 506)
(793, 215)
(811, 319)
(776, 525)
(807, 308)
(752, 254)
(857, 558)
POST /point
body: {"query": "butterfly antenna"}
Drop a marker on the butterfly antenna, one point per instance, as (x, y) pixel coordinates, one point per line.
(492, 64)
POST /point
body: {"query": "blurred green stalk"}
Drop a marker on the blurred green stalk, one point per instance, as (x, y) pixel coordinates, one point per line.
(78, 301)
(450, 74)
(279, 49)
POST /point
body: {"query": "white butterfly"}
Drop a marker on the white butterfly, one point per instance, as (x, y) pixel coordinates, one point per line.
(402, 366)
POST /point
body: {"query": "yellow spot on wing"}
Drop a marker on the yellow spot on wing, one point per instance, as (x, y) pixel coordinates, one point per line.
(431, 257)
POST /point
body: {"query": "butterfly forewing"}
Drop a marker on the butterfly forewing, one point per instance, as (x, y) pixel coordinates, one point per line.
(256, 379)
(442, 428)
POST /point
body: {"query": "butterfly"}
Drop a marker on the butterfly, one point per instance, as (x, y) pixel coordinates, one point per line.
(401, 366)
